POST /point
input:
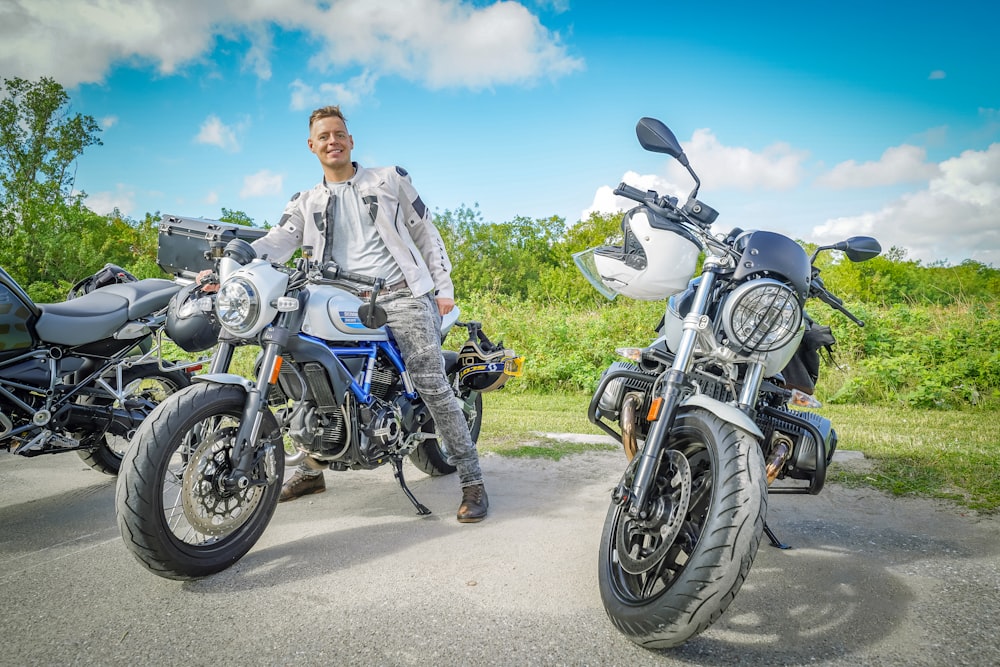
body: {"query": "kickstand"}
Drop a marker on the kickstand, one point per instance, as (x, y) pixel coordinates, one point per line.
(398, 465)
(775, 542)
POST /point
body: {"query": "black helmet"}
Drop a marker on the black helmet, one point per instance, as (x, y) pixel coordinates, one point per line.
(193, 329)
(111, 274)
(485, 366)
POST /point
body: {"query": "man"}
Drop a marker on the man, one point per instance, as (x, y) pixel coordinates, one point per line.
(372, 222)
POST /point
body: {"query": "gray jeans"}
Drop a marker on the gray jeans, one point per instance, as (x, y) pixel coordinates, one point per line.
(415, 324)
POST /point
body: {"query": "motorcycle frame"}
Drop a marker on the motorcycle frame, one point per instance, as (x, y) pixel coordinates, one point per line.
(275, 339)
(55, 400)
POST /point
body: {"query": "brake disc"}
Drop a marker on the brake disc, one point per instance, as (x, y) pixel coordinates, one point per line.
(207, 506)
(642, 544)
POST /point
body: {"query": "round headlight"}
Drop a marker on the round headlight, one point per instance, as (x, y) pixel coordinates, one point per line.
(761, 315)
(237, 305)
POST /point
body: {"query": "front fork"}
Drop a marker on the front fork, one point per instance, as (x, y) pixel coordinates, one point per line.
(664, 409)
(244, 455)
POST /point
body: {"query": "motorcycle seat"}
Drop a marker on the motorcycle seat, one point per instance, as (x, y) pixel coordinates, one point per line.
(146, 296)
(100, 313)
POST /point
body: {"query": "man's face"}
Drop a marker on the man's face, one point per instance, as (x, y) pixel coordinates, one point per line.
(329, 140)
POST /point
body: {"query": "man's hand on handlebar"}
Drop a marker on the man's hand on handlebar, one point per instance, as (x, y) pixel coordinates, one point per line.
(208, 281)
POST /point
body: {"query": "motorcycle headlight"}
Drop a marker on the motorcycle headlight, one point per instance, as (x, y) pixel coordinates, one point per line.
(761, 315)
(237, 305)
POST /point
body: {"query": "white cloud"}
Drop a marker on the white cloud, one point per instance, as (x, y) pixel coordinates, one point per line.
(109, 122)
(936, 74)
(953, 219)
(437, 43)
(104, 203)
(216, 133)
(899, 164)
(606, 201)
(262, 184)
(776, 167)
(77, 42)
(346, 95)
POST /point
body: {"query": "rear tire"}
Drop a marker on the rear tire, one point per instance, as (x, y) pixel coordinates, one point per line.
(145, 383)
(173, 513)
(430, 457)
(664, 581)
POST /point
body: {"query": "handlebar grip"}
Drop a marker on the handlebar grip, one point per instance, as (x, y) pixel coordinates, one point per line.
(332, 271)
(358, 278)
(626, 190)
(837, 303)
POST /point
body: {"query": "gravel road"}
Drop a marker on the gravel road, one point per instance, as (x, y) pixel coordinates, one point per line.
(353, 577)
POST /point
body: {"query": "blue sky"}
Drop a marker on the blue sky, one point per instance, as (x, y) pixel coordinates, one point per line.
(817, 119)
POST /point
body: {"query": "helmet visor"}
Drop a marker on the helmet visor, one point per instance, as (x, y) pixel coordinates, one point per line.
(584, 261)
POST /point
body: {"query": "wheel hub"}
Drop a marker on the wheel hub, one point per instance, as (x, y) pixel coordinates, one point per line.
(642, 544)
(208, 506)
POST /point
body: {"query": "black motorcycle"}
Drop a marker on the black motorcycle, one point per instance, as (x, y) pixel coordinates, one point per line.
(704, 412)
(82, 374)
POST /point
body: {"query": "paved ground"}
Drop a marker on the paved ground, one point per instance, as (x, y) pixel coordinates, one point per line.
(353, 576)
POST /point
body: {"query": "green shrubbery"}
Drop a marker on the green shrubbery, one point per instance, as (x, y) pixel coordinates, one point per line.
(920, 356)
(931, 340)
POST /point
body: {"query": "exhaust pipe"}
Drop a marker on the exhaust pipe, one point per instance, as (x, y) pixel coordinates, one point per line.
(781, 447)
(630, 408)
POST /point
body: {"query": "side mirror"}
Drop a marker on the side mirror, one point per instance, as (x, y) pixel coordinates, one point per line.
(861, 248)
(857, 248)
(654, 136)
(372, 317)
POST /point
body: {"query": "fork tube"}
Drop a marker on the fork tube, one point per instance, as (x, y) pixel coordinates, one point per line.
(672, 392)
(751, 385)
(244, 450)
(222, 358)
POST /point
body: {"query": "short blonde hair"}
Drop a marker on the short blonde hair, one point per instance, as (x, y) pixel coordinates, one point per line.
(330, 111)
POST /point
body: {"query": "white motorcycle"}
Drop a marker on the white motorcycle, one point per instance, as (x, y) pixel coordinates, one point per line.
(703, 413)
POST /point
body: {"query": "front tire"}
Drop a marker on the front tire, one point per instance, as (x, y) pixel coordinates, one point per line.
(668, 578)
(174, 515)
(147, 386)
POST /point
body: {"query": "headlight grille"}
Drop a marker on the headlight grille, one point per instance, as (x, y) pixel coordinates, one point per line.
(761, 315)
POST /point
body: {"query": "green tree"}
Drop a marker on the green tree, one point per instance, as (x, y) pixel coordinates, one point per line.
(39, 213)
(234, 217)
(39, 142)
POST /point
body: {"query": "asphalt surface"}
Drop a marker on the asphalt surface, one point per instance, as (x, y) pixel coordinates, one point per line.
(353, 577)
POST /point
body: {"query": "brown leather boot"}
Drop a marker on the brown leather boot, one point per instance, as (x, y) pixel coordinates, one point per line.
(474, 504)
(301, 484)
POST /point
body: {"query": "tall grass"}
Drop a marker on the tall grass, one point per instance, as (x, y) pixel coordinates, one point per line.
(940, 357)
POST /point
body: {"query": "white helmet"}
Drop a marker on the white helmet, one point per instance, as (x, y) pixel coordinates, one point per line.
(654, 261)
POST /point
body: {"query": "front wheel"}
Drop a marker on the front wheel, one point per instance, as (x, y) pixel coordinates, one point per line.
(144, 387)
(175, 514)
(668, 577)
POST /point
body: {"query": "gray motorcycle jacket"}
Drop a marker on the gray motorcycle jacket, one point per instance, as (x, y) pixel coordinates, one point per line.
(399, 216)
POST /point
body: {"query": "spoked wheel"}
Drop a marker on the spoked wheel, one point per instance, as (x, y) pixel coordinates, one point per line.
(430, 456)
(666, 578)
(144, 386)
(176, 514)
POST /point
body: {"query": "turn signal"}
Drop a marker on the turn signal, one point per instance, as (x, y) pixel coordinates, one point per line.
(277, 369)
(654, 409)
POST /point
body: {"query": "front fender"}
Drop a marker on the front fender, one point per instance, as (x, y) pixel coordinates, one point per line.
(225, 378)
(725, 412)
